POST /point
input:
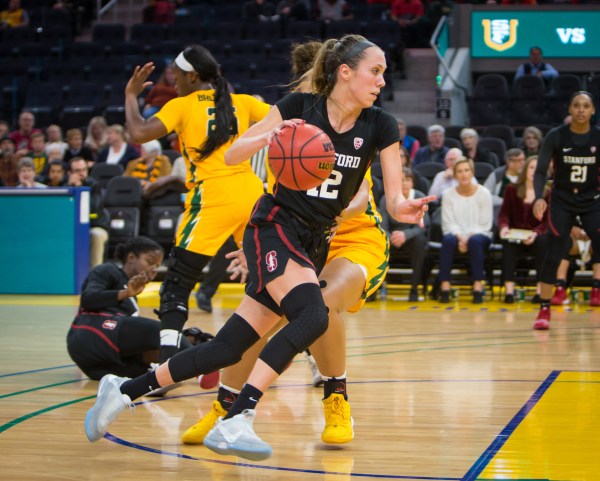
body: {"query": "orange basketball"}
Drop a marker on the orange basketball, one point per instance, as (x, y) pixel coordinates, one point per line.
(302, 157)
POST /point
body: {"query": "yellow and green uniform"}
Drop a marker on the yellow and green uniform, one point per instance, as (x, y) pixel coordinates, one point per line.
(362, 241)
(220, 197)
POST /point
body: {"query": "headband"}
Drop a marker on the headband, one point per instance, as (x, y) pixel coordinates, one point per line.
(183, 64)
(356, 49)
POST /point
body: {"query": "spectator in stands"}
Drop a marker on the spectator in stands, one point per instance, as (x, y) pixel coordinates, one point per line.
(76, 147)
(4, 128)
(14, 16)
(96, 137)
(514, 160)
(435, 151)
(160, 93)
(445, 180)
(467, 218)
(407, 13)
(22, 136)
(472, 150)
(332, 10)
(532, 140)
(160, 11)
(54, 138)
(56, 174)
(411, 144)
(78, 177)
(38, 152)
(259, 11)
(8, 163)
(517, 213)
(153, 169)
(26, 173)
(408, 237)
(118, 150)
(293, 9)
(536, 66)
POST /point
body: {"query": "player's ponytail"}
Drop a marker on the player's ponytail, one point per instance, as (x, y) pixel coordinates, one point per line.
(225, 123)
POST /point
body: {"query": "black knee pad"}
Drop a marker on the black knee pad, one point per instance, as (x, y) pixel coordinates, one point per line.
(226, 349)
(308, 320)
(184, 268)
(307, 314)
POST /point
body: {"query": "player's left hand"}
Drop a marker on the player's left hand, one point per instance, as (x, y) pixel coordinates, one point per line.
(412, 211)
(238, 265)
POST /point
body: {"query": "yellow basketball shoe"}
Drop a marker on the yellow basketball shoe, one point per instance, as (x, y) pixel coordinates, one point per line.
(196, 434)
(338, 422)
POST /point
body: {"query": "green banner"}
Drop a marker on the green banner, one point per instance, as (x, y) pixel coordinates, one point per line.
(510, 33)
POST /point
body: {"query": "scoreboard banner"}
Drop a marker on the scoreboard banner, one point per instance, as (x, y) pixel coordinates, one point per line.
(511, 33)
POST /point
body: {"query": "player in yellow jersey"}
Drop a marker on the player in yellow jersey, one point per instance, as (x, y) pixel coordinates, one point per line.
(356, 266)
(207, 118)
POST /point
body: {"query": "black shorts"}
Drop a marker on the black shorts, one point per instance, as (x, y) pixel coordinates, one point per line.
(94, 344)
(274, 236)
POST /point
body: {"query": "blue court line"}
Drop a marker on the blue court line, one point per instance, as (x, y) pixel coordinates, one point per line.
(114, 439)
(33, 371)
(497, 443)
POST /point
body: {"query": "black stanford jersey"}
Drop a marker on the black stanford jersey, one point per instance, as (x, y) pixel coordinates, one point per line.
(355, 149)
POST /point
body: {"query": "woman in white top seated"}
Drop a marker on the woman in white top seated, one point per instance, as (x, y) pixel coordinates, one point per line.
(467, 216)
(118, 150)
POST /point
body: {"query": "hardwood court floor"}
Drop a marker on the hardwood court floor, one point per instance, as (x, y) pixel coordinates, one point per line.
(452, 392)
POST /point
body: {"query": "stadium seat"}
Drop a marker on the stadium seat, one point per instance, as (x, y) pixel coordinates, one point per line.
(494, 144)
(500, 131)
(489, 103)
(103, 172)
(429, 169)
(453, 131)
(148, 33)
(76, 116)
(122, 201)
(263, 31)
(303, 30)
(108, 33)
(528, 101)
(451, 142)
(558, 98)
(419, 132)
(482, 171)
(342, 27)
(161, 220)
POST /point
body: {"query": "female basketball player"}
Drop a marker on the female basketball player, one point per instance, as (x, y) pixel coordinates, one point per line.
(206, 117)
(286, 242)
(355, 267)
(107, 335)
(575, 152)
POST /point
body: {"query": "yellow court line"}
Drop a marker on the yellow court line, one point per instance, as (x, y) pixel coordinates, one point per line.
(559, 438)
(230, 294)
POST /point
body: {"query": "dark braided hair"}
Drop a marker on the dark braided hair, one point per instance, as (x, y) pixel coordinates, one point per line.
(208, 70)
(137, 246)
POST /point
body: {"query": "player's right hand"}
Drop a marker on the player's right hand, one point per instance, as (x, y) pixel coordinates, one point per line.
(539, 208)
(137, 83)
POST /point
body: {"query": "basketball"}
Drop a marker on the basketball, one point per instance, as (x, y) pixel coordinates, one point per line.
(301, 158)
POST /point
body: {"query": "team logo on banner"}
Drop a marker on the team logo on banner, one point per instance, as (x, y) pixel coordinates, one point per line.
(500, 34)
